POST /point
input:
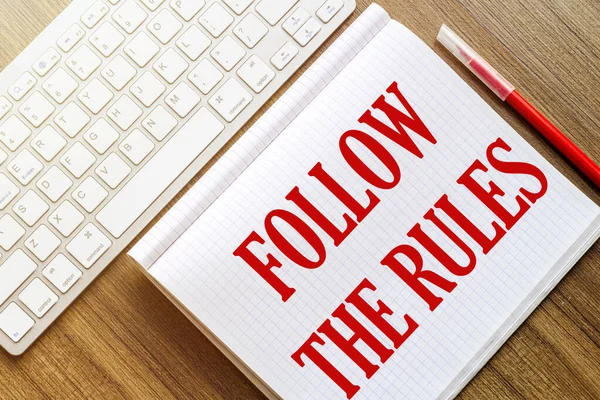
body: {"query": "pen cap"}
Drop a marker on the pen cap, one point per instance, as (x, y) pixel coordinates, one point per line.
(484, 71)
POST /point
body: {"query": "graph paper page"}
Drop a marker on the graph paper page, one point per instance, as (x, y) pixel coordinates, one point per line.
(259, 136)
(249, 316)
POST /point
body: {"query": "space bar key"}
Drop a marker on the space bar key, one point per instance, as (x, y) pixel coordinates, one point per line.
(160, 171)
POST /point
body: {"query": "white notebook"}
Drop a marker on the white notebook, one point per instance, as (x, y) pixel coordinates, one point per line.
(377, 234)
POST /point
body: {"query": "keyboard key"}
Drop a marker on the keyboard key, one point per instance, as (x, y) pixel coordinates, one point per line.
(15, 323)
(42, 243)
(256, 73)
(101, 136)
(228, 53)
(107, 39)
(216, 19)
(36, 109)
(182, 99)
(30, 208)
(205, 76)
(60, 85)
(38, 298)
(295, 21)
(5, 106)
(46, 62)
(3, 156)
(83, 62)
(66, 218)
(187, 9)
(89, 194)
(329, 10)
(89, 245)
(24, 167)
(152, 4)
(238, 6)
(273, 10)
(170, 66)
(62, 273)
(113, 170)
(118, 72)
(22, 86)
(124, 112)
(54, 183)
(130, 16)
(193, 43)
(164, 26)
(13, 273)
(142, 49)
(159, 123)
(251, 31)
(72, 119)
(283, 57)
(147, 89)
(308, 31)
(10, 232)
(8, 191)
(70, 38)
(136, 147)
(13, 132)
(95, 96)
(48, 143)
(230, 100)
(160, 171)
(94, 14)
(77, 160)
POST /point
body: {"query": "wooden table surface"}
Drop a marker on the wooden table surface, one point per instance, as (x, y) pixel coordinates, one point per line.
(123, 339)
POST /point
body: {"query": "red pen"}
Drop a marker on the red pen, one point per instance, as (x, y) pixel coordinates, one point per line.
(507, 92)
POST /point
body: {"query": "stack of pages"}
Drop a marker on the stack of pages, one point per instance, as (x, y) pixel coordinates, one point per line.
(378, 234)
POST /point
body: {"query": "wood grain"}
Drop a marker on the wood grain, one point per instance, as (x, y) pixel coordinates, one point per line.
(123, 340)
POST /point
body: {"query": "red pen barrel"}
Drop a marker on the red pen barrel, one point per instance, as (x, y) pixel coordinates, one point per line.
(506, 91)
(555, 136)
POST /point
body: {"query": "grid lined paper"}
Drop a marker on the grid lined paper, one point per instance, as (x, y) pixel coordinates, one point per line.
(239, 308)
(258, 137)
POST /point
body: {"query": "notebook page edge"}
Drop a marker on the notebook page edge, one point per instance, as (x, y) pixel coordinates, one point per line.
(267, 390)
(556, 273)
(530, 304)
(231, 165)
(575, 243)
(535, 297)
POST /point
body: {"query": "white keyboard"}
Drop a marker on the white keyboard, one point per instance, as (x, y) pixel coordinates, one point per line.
(110, 112)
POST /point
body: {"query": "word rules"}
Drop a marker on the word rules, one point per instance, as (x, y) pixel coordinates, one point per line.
(406, 261)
